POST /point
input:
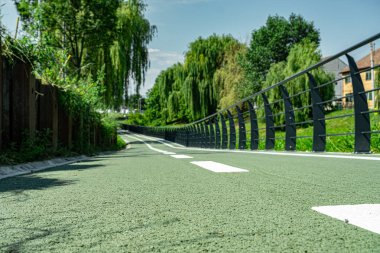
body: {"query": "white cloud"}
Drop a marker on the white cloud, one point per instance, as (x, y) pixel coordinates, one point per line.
(159, 60)
(159, 5)
(191, 1)
(153, 50)
(171, 2)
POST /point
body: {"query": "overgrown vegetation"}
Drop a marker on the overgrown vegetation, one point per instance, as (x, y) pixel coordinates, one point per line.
(301, 56)
(112, 35)
(185, 92)
(219, 71)
(271, 44)
(90, 50)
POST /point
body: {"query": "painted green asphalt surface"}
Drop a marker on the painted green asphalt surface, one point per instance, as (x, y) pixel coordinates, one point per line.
(139, 200)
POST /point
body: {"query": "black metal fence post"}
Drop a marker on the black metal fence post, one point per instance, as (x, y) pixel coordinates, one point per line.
(201, 135)
(254, 127)
(187, 136)
(212, 133)
(290, 128)
(207, 135)
(192, 136)
(362, 118)
(232, 131)
(270, 131)
(198, 136)
(242, 132)
(217, 132)
(319, 124)
(224, 132)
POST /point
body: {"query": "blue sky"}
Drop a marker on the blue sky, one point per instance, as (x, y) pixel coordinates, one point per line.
(179, 22)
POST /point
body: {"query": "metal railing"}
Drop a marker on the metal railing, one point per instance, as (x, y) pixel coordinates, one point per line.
(241, 125)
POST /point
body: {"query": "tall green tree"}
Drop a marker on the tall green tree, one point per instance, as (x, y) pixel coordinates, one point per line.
(229, 77)
(187, 92)
(129, 52)
(170, 102)
(154, 110)
(113, 34)
(271, 44)
(204, 58)
(78, 26)
(301, 56)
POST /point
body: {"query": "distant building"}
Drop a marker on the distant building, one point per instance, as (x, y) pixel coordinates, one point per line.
(363, 63)
(335, 67)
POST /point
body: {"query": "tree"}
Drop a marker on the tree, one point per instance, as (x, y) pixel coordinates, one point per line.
(229, 77)
(204, 58)
(153, 112)
(129, 52)
(79, 26)
(109, 33)
(167, 96)
(301, 56)
(271, 44)
(187, 92)
(134, 100)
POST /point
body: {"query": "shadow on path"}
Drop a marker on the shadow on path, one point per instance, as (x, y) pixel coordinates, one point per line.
(30, 182)
(37, 181)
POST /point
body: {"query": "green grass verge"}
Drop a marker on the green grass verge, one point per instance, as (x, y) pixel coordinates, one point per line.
(334, 126)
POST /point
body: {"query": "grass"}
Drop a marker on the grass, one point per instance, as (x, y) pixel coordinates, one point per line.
(334, 126)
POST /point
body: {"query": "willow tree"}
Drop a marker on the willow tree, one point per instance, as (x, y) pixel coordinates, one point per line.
(301, 56)
(204, 58)
(229, 78)
(166, 100)
(102, 34)
(129, 52)
(193, 90)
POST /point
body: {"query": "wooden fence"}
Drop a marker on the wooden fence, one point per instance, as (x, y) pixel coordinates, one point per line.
(27, 106)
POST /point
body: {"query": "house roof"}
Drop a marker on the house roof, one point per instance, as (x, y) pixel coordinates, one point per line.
(365, 62)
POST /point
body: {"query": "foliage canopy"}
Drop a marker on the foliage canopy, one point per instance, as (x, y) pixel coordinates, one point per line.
(109, 34)
(271, 44)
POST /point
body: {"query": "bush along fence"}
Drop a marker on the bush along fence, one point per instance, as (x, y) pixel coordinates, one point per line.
(29, 108)
(277, 117)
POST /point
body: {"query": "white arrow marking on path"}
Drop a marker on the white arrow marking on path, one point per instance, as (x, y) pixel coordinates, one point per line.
(365, 216)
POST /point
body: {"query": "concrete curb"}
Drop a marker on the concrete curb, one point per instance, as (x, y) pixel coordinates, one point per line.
(27, 168)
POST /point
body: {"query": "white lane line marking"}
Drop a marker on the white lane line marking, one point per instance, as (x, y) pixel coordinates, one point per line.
(181, 156)
(276, 153)
(365, 216)
(218, 167)
(152, 148)
(173, 145)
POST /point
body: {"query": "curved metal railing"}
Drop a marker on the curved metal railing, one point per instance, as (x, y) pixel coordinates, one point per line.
(251, 123)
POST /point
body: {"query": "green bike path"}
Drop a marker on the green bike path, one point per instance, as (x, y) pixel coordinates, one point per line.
(144, 200)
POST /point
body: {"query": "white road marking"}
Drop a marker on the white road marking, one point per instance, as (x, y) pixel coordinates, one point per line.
(365, 216)
(181, 156)
(173, 145)
(218, 167)
(277, 153)
(152, 148)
